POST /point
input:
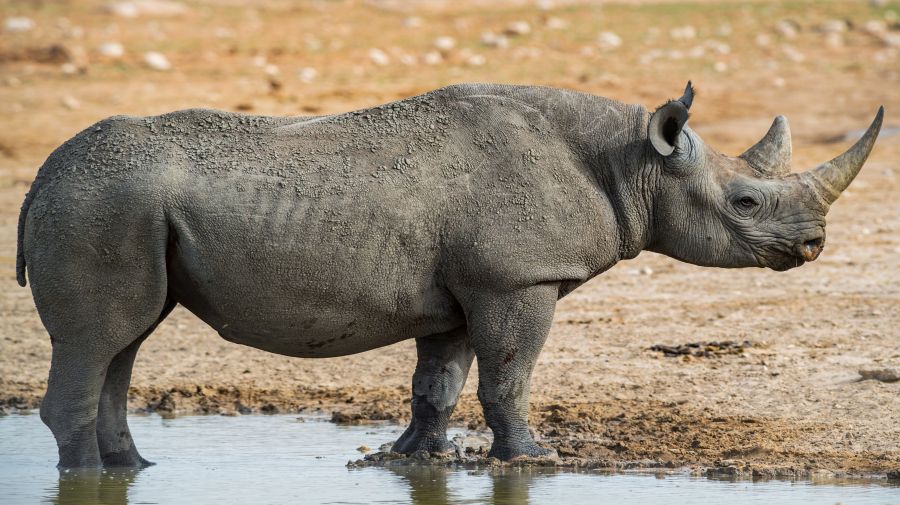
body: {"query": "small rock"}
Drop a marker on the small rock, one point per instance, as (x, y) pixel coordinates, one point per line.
(724, 30)
(111, 49)
(472, 442)
(363, 449)
(378, 57)
(834, 40)
(491, 39)
(432, 58)
(271, 70)
(646, 270)
(157, 61)
(518, 28)
(880, 374)
(18, 24)
(554, 23)
(608, 40)
(793, 54)
(875, 26)
(70, 102)
(307, 75)
(445, 43)
(123, 10)
(763, 40)
(135, 8)
(412, 22)
(833, 26)
(476, 60)
(69, 68)
(685, 32)
(787, 28)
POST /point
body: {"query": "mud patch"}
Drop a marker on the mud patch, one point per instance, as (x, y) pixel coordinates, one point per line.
(704, 349)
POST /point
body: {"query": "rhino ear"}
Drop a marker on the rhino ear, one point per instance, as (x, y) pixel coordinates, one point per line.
(668, 120)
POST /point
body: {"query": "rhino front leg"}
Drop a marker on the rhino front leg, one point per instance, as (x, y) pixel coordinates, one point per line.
(507, 332)
(440, 375)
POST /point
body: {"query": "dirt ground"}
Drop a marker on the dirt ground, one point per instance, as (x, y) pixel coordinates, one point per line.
(790, 403)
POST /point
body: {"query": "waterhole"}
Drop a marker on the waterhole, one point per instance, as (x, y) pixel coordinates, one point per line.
(281, 459)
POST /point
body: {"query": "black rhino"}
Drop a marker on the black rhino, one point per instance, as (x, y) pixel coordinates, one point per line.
(457, 218)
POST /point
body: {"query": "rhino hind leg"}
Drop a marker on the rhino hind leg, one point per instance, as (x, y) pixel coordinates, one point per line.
(97, 292)
(116, 446)
(441, 371)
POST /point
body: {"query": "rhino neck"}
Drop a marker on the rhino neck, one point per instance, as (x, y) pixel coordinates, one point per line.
(610, 137)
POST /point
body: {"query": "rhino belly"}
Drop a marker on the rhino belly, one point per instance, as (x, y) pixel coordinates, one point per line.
(305, 292)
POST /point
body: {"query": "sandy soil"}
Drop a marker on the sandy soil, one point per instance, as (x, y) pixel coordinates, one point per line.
(790, 404)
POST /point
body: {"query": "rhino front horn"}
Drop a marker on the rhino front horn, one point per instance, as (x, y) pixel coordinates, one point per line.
(831, 178)
(771, 156)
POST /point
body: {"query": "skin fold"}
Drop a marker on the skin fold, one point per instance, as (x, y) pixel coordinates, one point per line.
(457, 218)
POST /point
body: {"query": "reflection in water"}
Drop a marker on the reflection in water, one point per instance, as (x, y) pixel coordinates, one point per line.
(103, 487)
(428, 484)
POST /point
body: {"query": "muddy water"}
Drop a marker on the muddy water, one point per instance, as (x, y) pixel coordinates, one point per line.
(283, 459)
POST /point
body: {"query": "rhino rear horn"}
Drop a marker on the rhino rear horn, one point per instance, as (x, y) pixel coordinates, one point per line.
(831, 178)
(668, 120)
(771, 156)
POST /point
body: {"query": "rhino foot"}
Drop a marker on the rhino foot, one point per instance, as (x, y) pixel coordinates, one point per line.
(414, 440)
(125, 459)
(511, 450)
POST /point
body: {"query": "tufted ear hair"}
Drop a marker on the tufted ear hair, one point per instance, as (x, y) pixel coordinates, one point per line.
(668, 120)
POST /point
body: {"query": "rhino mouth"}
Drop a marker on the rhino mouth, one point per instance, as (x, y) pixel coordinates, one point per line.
(787, 263)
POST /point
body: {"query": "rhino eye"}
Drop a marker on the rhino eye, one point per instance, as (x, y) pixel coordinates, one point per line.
(747, 202)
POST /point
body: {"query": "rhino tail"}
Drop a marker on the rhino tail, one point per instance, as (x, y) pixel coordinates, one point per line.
(20, 244)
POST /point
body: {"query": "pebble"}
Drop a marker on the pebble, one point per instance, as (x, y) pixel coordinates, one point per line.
(445, 43)
(833, 26)
(492, 39)
(476, 60)
(518, 28)
(111, 49)
(432, 58)
(70, 102)
(608, 40)
(271, 70)
(875, 26)
(834, 40)
(363, 448)
(685, 32)
(720, 66)
(412, 22)
(378, 57)
(136, 8)
(307, 75)
(69, 68)
(18, 24)
(554, 23)
(763, 40)
(157, 61)
(792, 54)
(787, 28)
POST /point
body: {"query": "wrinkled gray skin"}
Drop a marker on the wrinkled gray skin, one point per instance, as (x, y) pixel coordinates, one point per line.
(457, 218)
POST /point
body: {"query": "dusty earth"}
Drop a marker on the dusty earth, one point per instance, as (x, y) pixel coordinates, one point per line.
(787, 402)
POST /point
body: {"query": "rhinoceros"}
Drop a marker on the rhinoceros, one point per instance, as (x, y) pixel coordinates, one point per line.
(456, 218)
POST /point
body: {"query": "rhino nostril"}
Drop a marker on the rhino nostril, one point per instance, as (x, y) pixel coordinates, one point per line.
(811, 249)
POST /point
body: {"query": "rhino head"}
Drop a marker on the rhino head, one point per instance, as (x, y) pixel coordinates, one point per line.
(716, 210)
